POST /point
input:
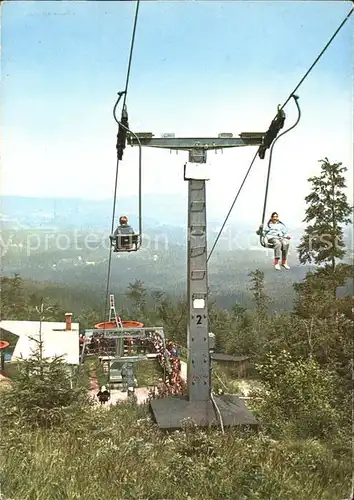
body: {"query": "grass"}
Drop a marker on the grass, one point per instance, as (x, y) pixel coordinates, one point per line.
(97, 367)
(121, 454)
(147, 373)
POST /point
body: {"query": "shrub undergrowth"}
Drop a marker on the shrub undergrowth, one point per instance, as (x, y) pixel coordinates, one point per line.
(55, 444)
(120, 453)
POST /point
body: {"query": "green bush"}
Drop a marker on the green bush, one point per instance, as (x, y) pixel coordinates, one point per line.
(298, 396)
(43, 393)
(55, 444)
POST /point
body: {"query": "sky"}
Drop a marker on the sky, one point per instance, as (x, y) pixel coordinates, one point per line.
(199, 68)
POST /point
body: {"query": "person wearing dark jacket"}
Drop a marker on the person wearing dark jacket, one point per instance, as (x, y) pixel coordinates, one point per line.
(103, 395)
(124, 229)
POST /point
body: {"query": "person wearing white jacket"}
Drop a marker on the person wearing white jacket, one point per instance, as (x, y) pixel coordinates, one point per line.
(277, 235)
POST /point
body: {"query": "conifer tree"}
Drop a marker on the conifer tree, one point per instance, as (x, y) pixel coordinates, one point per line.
(260, 297)
(137, 294)
(327, 212)
(44, 392)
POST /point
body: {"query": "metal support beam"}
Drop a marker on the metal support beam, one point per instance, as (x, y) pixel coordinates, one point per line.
(198, 405)
(198, 368)
(126, 332)
(188, 143)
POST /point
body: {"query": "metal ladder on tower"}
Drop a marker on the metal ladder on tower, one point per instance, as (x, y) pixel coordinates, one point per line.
(112, 312)
(198, 226)
(117, 319)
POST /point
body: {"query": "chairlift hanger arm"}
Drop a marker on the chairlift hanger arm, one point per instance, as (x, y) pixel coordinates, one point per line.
(272, 132)
(123, 126)
(121, 140)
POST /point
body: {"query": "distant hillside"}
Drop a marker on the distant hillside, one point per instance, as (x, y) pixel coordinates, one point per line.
(161, 213)
(27, 212)
(160, 267)
(65, 241)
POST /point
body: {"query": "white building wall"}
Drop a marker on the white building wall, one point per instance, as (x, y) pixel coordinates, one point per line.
(55, 343)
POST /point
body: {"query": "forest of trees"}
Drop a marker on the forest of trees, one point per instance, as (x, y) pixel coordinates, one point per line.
(302, 359)
(319, 324)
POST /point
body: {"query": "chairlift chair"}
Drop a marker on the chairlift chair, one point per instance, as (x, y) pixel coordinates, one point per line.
(124, 238)
(263, 238)
(125, 242)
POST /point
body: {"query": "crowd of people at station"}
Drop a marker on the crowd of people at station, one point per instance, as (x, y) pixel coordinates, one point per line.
(97, 344)
(170, 362)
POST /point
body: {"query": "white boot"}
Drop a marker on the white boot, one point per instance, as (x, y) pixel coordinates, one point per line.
(277, 267)
(285, 266)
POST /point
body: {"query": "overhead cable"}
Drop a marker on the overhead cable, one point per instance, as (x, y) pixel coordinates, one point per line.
(117, 165)
(280, 108)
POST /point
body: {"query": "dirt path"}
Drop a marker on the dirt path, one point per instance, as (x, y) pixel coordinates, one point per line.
(117, 396)
(94, 385)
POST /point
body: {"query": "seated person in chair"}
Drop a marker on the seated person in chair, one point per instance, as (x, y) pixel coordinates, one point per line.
(277, 235)
(123, 230)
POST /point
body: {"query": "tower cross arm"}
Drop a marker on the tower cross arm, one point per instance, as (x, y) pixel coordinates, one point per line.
(188, 143)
